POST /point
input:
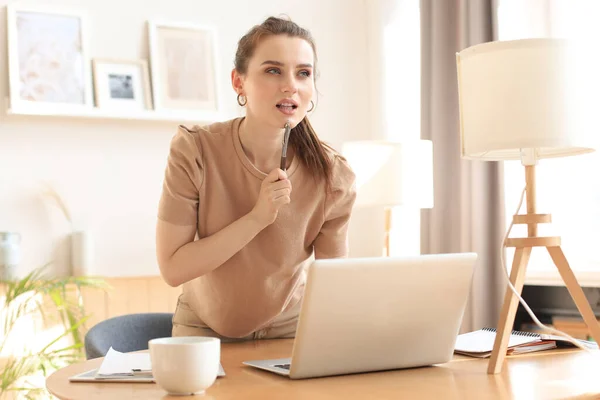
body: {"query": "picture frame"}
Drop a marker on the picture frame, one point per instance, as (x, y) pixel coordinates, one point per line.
(183, 65)
(121, 84)
(48, 60)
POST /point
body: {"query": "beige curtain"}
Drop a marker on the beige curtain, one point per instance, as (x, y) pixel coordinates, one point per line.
(469, 209)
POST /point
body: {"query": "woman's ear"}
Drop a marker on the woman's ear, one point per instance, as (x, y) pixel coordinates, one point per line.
(236, 81)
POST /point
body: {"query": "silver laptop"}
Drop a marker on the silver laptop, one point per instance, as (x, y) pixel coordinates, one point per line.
(374, 314)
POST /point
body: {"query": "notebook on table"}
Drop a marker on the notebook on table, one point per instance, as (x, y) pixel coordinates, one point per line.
(481, 343)
(123, 367)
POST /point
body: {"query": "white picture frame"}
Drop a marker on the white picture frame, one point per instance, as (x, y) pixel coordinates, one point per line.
(48, 59)
(183, 67)
(121, 84)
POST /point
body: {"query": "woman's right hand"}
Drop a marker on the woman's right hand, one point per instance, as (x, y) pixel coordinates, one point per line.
(178, 253)
(275, 191)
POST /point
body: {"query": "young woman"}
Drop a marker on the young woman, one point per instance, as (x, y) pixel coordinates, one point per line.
(257, 225)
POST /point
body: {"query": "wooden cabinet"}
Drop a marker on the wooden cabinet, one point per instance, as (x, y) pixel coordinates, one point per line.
(128, 295)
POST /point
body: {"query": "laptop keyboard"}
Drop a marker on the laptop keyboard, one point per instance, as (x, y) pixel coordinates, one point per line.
(284, 366)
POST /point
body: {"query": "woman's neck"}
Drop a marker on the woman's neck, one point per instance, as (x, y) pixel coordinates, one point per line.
(262, 145)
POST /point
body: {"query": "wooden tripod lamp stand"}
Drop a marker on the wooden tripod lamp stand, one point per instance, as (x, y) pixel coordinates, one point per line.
(526, 100)
(391, 174)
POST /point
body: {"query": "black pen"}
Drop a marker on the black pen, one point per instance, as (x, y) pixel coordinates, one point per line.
(286, 137)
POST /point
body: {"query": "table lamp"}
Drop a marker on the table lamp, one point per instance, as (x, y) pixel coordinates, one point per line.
(391, 174)
(528, 100)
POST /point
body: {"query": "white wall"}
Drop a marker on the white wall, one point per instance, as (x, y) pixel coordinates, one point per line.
(110, 172)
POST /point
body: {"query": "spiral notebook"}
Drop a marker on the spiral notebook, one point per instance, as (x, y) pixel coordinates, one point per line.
(481, 343)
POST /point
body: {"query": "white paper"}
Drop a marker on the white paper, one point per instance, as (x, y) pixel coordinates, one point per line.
(117, 363)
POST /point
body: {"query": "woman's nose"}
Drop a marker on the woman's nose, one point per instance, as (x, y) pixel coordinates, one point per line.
(289, 84)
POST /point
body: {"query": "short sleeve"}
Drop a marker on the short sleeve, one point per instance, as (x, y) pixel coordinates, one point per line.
(182, 181)
(332, 239)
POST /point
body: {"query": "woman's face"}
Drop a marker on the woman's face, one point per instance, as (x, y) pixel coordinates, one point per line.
(279, 83)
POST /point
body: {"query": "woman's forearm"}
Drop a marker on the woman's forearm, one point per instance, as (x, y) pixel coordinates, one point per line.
(199, 257)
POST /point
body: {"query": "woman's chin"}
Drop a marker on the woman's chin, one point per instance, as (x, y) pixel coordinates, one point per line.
(283, 119)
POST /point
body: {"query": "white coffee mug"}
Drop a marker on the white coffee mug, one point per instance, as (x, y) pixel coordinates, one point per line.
(186, 364)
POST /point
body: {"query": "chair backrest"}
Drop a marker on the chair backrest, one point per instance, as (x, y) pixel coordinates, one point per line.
(127, 333)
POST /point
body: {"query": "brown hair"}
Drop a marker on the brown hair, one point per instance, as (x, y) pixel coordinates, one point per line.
(303, 138)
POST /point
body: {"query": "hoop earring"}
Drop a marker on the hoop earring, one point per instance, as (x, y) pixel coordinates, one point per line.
(239, 96)
(312, 106)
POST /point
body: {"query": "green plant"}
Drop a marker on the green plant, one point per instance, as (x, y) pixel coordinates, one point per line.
(53, 300)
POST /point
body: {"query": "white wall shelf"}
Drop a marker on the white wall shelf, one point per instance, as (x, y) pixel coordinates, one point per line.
(33, 110)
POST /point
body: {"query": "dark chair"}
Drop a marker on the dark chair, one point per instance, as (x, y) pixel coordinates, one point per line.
(127, 333)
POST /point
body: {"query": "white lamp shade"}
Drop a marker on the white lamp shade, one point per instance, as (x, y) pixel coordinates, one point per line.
(392, 173)
(536, 95)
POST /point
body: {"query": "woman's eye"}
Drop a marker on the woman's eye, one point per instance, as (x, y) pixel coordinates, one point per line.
(272, 71)
(305, 73)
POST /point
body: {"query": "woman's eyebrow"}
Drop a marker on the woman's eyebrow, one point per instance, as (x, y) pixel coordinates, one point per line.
(280, 64)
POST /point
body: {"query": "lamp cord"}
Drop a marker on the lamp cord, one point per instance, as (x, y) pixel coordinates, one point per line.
(521, 300)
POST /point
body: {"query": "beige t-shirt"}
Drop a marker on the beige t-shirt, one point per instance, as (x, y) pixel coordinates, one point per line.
(209, 182)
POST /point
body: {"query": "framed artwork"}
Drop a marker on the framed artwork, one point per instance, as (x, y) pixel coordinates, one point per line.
(183, 66)
(48, 58)
(121, 84)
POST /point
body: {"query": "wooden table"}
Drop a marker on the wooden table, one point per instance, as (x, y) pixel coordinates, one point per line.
(556, 374)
